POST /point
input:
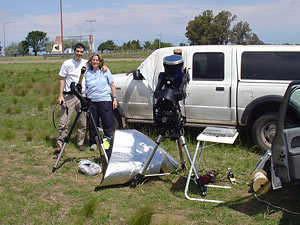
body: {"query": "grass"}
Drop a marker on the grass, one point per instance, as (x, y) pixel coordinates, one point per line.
(31, 194)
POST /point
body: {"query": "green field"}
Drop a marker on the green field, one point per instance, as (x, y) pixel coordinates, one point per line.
(31, 194)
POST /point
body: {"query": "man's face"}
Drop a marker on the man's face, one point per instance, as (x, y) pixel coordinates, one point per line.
(78, 53)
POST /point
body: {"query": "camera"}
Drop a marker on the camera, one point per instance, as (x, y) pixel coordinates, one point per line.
(170, 89)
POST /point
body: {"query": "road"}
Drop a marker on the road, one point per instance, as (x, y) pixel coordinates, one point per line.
(61, 60)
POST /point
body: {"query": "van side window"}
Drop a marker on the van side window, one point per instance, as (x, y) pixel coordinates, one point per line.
(271, 65)
(208, 66)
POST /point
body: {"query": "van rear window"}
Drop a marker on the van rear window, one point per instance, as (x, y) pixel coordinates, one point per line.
(271, 65)
(208, 66)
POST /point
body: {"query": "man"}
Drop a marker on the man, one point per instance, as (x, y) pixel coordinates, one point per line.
(70, 72)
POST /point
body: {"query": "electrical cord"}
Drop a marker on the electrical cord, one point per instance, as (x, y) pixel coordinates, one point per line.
(274, 206)
(53, 116)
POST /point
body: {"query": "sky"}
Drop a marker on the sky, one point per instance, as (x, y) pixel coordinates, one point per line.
(274, 21)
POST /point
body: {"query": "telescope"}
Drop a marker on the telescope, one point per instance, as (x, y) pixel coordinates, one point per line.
(85, 107)
(170, 89)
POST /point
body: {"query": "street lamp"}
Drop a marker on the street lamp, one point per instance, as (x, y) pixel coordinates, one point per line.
(91, 21)
(79, 30)
(159, 40)
(92, 35)
(4, 37)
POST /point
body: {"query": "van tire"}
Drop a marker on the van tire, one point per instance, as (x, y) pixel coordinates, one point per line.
(264, 129)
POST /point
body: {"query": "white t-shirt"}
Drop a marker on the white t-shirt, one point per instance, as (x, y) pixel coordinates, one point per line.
(71, 70)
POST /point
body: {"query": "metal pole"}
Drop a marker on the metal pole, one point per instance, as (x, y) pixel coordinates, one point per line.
(159, 40)
(79, 30)
(61, 28)
(4, 44)
(92, 36)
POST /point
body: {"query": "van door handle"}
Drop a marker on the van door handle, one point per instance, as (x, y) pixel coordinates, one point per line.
(219, 88)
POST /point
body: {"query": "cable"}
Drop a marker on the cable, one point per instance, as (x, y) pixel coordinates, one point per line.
(53, 114)
(277, 207)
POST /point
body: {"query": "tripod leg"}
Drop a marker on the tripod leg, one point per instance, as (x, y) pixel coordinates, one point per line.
(66, 140)
(201, 186)
(99, 141)
(182, 164)
(137, 179)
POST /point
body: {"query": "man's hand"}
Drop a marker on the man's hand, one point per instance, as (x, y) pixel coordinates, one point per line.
(61, 101)
(104, 68)
(79, 87)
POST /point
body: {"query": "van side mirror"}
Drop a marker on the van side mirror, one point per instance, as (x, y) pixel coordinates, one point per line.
(137, 75)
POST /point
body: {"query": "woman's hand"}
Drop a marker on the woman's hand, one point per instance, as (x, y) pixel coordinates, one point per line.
(115, 103)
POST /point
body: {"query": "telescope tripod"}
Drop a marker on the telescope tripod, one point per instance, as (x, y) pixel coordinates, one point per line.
(179, 137)
(99, 141)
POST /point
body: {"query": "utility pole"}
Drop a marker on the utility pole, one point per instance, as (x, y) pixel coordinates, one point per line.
(159, 40)
(4, 37)
(61, 28)
(92, 35)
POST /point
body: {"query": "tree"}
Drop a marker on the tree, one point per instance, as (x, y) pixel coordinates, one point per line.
(207, 29)
(241, 34)
(109, 45)
(71, 44)
(11, 50)
(156, 44)
(198, 30)
(159, 44)
(147, 45)
(222, 23)
(132, 45)
(49, 46)
(37, 40)
(23, 48)
(254, 40)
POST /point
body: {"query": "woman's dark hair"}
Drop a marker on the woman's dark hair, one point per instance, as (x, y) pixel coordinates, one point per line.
(79, 45)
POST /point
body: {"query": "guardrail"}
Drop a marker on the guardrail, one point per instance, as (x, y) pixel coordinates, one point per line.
(57, 55)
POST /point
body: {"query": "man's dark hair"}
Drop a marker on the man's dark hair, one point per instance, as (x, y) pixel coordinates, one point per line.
(79, 45)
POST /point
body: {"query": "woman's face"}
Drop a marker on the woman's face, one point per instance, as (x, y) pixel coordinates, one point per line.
(95, 62)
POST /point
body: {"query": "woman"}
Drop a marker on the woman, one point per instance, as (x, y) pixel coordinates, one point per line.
(100, 88)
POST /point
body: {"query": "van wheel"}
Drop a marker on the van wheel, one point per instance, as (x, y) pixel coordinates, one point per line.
(264, 129)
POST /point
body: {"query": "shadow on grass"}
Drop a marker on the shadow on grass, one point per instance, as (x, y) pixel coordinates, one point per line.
(65, 161)
(286, 198)
(72, 141)
(128, 184)
(179, 186)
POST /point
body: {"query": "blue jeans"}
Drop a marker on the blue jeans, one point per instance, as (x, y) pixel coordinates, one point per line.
(103, 110)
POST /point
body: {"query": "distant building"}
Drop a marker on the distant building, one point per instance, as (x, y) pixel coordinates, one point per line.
(57, 46)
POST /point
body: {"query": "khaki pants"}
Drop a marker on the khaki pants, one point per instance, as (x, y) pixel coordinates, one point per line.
(72, 104)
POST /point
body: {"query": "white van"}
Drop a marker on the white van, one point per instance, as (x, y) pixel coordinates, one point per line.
(230, 85)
